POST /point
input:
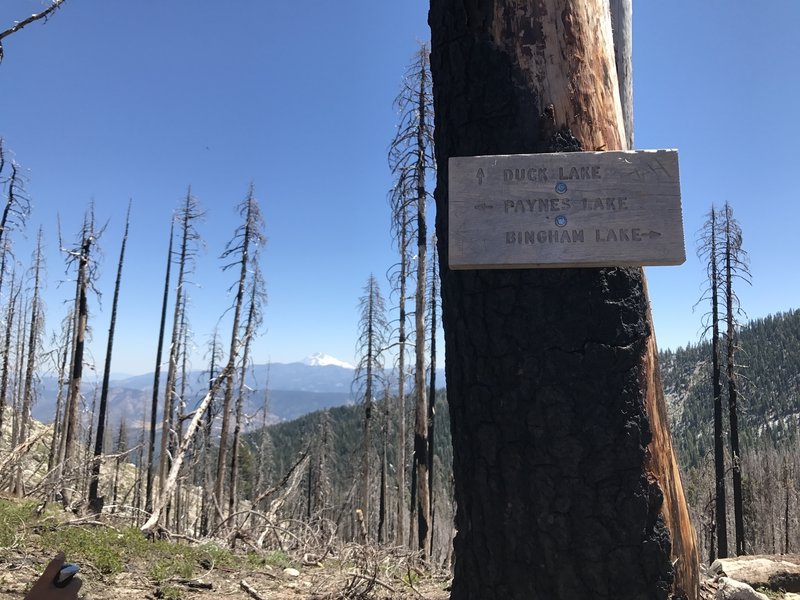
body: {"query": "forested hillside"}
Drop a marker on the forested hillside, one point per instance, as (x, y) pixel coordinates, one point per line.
(770, 403)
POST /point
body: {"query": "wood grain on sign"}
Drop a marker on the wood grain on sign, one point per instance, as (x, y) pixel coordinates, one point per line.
(577, 209)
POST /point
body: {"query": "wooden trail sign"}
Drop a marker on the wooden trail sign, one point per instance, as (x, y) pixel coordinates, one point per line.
(576, 209)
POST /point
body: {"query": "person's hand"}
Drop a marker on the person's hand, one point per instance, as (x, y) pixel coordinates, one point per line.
(45, 588)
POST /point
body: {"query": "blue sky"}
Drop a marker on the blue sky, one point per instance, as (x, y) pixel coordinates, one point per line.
(140, 99)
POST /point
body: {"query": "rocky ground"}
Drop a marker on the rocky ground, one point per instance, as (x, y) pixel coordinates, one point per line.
(757, 577)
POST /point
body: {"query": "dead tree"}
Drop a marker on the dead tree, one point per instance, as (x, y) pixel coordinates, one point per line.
(34, 343)
(120, 449)
(367, 377)
(80, 256)
(433, 307)
(7, 338)
(709, 251)
(256, 299)
(735, 267)
(565, 477)
(185, 335)
(95, 500)
(151, 445)
(188, 216)
(61, 355)
(17, 206)
(403, 232)
(411, 161)
(215, 359)
(248, 238)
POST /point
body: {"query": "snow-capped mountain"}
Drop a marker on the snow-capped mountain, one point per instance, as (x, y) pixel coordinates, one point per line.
(320, 359)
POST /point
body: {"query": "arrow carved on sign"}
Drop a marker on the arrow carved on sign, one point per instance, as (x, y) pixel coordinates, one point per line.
(653, 235)
(484, 206)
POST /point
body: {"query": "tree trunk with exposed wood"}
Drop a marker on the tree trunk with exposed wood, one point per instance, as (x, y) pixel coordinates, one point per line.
(566, 481)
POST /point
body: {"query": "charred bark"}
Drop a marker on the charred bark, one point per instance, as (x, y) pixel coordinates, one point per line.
(551, 374)
(81, 256)
(735, 266)
(95, 500)
(716, 386)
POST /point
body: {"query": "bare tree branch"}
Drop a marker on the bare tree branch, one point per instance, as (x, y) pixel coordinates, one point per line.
(45, 14)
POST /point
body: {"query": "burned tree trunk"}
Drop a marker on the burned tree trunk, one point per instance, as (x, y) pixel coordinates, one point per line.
(565, 477)
(95, 500)
(81, 320)
(735, 267)
(151, 444)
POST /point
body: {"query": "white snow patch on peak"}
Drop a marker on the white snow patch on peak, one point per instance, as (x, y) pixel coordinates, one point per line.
(319, 359)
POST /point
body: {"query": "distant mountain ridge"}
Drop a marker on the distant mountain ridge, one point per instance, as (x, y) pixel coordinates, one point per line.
(317, 373)
(294, 389)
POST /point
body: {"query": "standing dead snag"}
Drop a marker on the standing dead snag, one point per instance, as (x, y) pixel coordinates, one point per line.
(17, 206)
(34, 340)
(246, 241)
(433, 307)
(565, 478)
(7, 338)
(709, 250)
(735, 266)
(80, 256)
(367, 376)
(188, 216)
(411, 161)
(256, 298)
(151, 445)
(95, 500)
(402, 230)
